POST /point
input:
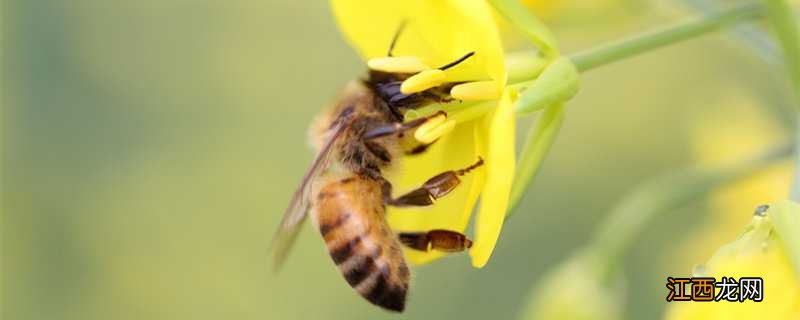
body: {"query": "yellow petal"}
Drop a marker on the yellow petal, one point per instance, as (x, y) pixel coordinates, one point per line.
(455, 150)
(499, 177)
(438, 32)
(397, 64)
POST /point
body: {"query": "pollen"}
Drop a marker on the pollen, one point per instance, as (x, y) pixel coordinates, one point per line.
(434, 129)
(474, 91)
(407, 64)
(423, 81)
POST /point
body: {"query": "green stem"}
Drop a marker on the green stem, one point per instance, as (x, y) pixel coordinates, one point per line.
(519, 16)
(665, 194)
(539, 141)
(794, 191)
(781, 17)
(636, 45)
(543, 134)
(786, 31)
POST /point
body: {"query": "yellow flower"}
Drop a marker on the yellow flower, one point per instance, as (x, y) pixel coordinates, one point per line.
(742, 130)
(436, 33)
(761, 251)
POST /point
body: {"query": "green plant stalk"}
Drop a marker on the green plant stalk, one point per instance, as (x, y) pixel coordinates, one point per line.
(781, 17)
(664, 194)
(785, 26)
(519, 16)
(753, 37)
(786, 31)
(539, 141)
(636, 45)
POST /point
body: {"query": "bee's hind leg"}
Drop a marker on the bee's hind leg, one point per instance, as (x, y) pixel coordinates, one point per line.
(435, 188)
(443, 240)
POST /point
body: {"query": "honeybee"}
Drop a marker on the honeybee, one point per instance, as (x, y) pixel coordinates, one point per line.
(363, 134)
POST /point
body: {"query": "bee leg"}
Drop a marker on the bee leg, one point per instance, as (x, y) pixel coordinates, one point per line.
(436, 96)
(399, 128)
(443, 240)
(435, 188)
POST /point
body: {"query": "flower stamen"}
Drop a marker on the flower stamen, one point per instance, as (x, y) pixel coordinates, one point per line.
(427, 79)
(423, 81)
(434, 128)
(478, 90)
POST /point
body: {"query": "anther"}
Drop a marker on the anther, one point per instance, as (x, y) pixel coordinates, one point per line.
(423, 81)
(478, 90)
(433, 129)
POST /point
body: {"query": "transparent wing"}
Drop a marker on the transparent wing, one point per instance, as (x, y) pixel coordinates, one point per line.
(295, 214)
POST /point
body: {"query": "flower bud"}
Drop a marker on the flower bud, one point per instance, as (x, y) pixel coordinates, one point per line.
(577, 289)
(760, 251)
(558, 82)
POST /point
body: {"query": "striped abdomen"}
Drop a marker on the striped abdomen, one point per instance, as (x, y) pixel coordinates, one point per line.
(350, 216)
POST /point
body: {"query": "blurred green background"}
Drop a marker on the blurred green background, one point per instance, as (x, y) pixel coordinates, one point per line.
(150, 148)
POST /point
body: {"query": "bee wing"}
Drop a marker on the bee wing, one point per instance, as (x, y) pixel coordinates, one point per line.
(295, 214)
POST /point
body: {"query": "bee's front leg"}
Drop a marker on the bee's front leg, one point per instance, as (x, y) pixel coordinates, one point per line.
(399, 128)
(435, 188)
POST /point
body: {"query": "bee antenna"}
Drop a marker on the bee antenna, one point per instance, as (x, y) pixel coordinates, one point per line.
(396, 36)
(455, 63)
